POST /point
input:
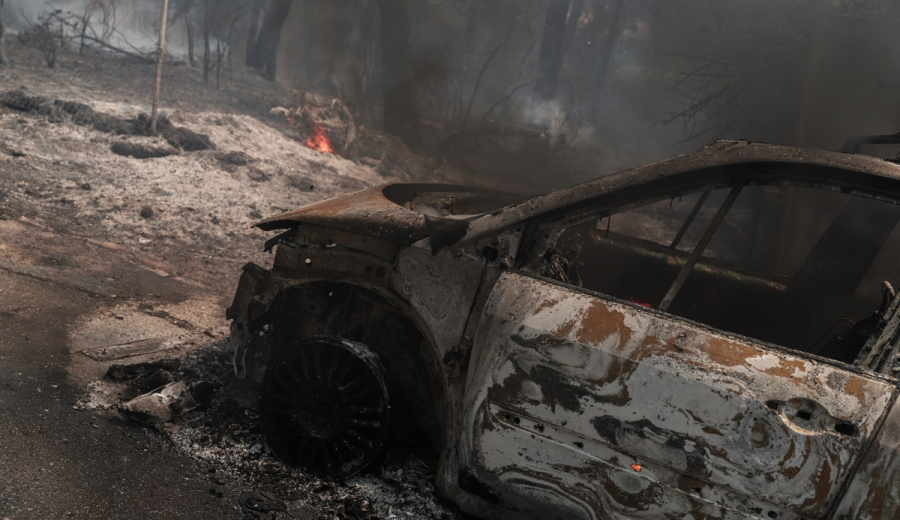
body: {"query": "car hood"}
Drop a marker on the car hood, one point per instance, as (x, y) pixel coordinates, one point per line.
(401, 212)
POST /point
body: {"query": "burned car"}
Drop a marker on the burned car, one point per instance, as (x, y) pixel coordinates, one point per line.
(710, 336)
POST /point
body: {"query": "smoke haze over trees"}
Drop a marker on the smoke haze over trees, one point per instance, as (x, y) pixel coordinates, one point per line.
(622, 81)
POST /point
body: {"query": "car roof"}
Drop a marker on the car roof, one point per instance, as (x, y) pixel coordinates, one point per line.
(717, 165)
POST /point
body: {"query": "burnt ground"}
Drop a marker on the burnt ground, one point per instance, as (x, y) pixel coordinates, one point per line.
(98, 249)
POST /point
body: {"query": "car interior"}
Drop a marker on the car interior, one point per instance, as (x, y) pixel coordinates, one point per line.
(802, 268)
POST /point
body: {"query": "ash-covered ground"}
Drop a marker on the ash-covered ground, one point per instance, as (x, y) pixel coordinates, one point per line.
(224, 436)
(185, 220)
(66, 175)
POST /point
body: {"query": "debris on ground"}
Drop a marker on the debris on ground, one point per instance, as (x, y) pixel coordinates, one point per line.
(140, 371)
(324, 124)
(11, 152)
(167, 402)
(57, 111)
(141, 150)
(178, 137)
(262, 502)
(235, 158)
(224, 436)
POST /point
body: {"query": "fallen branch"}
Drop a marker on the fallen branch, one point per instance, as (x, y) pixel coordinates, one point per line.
(116, 49)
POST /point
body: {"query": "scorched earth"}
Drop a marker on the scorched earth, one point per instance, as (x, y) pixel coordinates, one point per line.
(114, 276)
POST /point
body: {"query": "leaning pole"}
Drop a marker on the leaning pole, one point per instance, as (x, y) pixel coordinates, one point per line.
(160, 52)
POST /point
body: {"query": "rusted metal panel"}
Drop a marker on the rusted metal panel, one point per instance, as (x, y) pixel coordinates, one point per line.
(330, 238)
(366, 212)
(599, 409)
(394, 212)
(441, 288)
(309, 263)
(874, 493)
(715, 166)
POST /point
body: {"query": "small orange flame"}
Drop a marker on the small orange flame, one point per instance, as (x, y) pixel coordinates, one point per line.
(636, 467)
(319, 140)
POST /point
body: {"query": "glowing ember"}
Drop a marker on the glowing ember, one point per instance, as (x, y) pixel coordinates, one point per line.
(636, 467)
(319, 140)
(642, 304)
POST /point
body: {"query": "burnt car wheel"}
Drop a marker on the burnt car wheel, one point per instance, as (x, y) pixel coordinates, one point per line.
(324, 406)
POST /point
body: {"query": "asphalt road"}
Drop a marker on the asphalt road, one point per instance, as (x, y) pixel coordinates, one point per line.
(59, 461)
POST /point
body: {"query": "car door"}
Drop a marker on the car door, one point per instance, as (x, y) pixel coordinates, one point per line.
(582, 405)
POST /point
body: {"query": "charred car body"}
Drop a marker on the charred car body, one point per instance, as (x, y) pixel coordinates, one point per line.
(713, 335)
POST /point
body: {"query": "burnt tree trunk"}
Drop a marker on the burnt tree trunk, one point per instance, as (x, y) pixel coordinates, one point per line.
(263, 53)
(572, 25)
(253, 27)
(400, 116)
(255, 57)
(365, 52)
(220, 52)
(550, 57)
(340, 25)
(189, 26)
(2, 31)
(473, 19)
(607, 52)
(207, 34)
(310, 41)
(457, 111)
(84, 27)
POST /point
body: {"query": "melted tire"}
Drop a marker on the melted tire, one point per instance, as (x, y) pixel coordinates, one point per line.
(324, 406)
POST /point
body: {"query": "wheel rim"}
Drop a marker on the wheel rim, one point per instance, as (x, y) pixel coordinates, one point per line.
(324, 407)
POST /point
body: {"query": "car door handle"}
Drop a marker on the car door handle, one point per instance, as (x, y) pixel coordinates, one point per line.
(809, 415)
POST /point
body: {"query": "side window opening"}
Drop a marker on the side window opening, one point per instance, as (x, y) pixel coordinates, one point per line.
(799, 267)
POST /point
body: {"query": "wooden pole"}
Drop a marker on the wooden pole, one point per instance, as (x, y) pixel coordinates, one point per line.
(159, 64)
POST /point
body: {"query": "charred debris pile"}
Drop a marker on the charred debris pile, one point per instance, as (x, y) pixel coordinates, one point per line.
(492, 155)
(193, 401)
(179, 139)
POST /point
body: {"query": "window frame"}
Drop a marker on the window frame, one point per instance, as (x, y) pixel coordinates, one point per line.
(546, 231)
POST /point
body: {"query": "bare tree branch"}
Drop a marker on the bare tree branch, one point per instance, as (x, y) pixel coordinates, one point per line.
(506, 98)
(484, 67)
